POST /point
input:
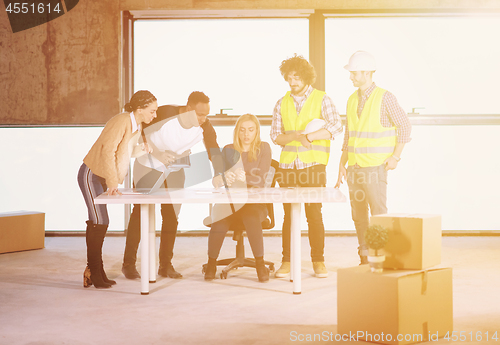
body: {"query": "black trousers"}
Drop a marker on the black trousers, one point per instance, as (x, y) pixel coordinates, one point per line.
(169, 215)
(314, 176)
(251, 217)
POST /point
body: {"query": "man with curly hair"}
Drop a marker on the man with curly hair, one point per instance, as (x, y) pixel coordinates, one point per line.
(305, 152)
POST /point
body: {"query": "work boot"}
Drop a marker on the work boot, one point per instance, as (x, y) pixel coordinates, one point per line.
(211, 269)
(130, 272)
(262, 270)
(283, 271)
(320, 270)
(363, 255)
(169, 271)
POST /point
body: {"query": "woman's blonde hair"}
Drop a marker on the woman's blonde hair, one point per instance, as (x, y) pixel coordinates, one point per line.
(255, 145)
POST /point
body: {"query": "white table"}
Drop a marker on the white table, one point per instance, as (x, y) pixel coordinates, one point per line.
(294, 196)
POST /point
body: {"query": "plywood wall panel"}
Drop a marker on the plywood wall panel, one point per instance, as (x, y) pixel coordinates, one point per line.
(23, 79)
(65, 71)
(83, 73)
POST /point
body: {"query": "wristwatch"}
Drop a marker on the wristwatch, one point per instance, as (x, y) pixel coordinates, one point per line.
(396, 158)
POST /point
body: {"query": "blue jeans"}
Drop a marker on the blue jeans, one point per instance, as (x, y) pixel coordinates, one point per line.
(367, 190)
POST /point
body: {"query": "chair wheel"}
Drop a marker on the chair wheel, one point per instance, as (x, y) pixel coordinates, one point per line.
(223, 275)
(203, 269)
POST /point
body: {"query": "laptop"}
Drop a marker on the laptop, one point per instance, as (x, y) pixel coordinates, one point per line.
(149, 183)
(153, 180)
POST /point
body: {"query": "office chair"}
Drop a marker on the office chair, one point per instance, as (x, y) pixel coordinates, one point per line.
(237, 227)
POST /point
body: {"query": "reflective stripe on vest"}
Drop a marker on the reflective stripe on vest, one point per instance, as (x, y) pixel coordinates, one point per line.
(303, 149)
(373, 135)
(320, 149)
(370, 143)
(389, 149)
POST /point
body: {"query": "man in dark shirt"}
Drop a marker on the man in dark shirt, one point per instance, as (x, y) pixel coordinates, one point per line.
(198, 102)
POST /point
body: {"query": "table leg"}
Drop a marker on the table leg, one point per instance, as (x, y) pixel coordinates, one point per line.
(295, 248)
(152, 244)
(144, 249)
(292, 246)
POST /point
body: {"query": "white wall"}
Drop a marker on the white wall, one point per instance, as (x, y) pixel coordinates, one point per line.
(447, 170)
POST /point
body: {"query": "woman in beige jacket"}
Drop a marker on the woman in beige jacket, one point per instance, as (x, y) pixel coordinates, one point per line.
(104, 167)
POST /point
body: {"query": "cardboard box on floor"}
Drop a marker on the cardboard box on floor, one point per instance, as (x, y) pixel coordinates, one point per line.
(414, 240)
(23, 230)
(415, 306)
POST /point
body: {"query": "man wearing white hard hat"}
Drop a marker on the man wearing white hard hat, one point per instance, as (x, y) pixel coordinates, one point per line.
(376, 131)
(304, 122)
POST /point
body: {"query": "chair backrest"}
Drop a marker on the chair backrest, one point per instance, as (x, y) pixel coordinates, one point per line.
(268, 223)
(274, 164)
(270, 177)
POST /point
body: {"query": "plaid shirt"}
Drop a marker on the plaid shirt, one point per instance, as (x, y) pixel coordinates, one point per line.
(328, 113)
(391, 114)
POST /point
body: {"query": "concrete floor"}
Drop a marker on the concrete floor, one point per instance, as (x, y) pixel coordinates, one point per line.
(42, 300)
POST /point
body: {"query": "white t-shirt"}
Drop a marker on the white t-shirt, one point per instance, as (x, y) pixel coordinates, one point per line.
(173, 137)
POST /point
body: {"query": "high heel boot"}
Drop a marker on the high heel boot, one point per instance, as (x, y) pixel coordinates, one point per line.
(101, 231)
(95, 237)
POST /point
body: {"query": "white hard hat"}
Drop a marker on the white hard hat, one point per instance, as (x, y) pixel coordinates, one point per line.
(361, 61)
(314, 125)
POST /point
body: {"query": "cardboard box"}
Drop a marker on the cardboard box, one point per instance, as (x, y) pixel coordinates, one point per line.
(414, 240)
(23, 230)
(394, 307)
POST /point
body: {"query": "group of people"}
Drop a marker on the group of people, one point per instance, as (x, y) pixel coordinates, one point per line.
(376, 131)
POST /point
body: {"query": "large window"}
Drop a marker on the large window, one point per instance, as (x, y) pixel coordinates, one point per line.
(438, 65)
(454, 178)
(234, 61)
(39, 171)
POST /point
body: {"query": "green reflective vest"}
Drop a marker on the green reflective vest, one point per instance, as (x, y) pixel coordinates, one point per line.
(370, 143)
(320, 149)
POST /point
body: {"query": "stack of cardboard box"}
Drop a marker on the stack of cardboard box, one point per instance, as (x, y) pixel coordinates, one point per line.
(411, 301)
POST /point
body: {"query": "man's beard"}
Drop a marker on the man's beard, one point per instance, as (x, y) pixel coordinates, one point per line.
(297, 91)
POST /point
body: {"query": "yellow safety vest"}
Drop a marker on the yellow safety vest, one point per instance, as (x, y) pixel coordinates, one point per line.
(320, 149)
(370, 143)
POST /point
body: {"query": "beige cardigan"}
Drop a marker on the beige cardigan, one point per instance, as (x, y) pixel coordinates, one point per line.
(110, 155)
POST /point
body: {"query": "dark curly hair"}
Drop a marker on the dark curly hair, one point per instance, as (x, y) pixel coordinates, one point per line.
(197, 97)
(300, 66)
(140, 100)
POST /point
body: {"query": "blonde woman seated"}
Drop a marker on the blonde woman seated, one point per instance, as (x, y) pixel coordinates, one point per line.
(255, 157)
